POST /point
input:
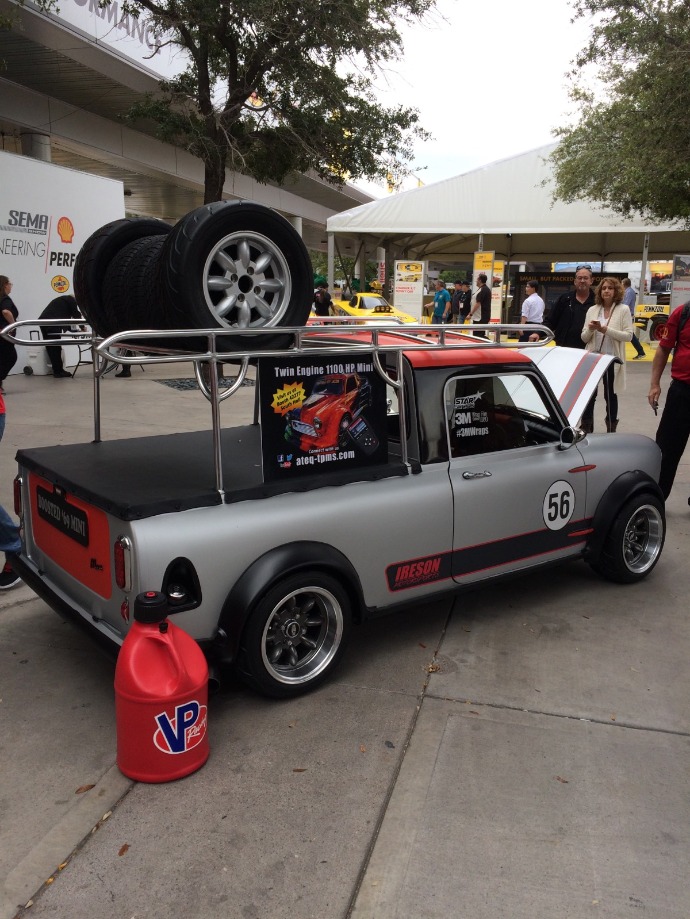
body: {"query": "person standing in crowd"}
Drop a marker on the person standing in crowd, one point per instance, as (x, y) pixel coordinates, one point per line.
(322, 300)
(64, 307)
(441, 304)
(482, 304)
(466, 301)
(567, 316)
(630, 299)
(674, 427)
(456, 303)
(607, 328)
(532, 312)
(9, 531)
(8, 314)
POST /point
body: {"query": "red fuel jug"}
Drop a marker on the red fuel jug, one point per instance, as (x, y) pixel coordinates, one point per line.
(161, 697)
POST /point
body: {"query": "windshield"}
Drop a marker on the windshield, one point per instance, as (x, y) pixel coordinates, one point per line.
(369, 303)
(327, 388)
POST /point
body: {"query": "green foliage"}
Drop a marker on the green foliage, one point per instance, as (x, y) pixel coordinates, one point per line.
(307, 63)
(630, 146)
(344, 268)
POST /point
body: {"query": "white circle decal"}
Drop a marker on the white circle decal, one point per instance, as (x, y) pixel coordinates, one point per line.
(559, 504)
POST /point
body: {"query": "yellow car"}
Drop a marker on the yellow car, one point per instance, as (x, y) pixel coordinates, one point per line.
(372, 307)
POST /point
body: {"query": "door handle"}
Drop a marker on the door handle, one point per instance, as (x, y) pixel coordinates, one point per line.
(476, 475)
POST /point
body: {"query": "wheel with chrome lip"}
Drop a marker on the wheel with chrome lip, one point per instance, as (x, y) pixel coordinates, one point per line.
(238, 265)
(635, 541)
(295, 635)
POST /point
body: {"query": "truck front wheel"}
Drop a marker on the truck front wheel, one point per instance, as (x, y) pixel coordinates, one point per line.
(635, 541)
(295, 636)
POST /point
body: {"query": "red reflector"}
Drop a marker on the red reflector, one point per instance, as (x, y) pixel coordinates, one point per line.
(119, 564)
(18, 496)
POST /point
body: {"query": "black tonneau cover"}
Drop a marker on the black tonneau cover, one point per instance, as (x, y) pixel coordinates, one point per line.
(146, 476)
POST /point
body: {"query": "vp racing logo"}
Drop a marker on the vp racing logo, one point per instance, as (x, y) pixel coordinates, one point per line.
(184, 730)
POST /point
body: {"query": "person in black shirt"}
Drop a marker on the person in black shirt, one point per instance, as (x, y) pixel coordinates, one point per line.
(455, 303)
(322, 301)
(8, 315)
(482, 304)
(64, 307)
(567, 318)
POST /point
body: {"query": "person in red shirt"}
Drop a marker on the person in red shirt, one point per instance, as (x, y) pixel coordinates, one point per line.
(674, 427)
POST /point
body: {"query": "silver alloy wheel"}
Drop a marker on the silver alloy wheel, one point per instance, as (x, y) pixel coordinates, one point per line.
(643, 538)
(302, 635)
(247, 281)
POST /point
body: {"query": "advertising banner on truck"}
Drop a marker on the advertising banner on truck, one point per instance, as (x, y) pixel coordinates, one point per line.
(327, 412)
(46, 214)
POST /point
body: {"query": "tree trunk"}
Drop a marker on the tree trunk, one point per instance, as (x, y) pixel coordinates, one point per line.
(214, 178)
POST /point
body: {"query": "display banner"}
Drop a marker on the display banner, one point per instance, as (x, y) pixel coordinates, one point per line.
(408, 287)
(47, 213)
(680, 287)
(326, 412)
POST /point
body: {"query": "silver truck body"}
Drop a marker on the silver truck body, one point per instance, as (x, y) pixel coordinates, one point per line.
(432, 522)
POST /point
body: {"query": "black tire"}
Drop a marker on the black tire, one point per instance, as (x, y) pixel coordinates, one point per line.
(295, 635)
(635, 540)
(94, 259)
(127, 289)
(237, 265)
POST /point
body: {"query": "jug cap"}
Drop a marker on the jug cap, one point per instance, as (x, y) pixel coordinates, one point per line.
(150, 607)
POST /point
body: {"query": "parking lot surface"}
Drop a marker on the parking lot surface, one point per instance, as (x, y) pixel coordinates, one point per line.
(520, 751)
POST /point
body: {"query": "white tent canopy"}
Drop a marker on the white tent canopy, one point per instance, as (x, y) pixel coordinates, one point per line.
(505, 207)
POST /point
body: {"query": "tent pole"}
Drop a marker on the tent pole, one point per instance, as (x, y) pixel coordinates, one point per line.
(331, 261)
(643, 270)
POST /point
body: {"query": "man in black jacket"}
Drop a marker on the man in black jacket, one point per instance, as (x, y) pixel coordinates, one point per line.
(567, 318)
(64, 307)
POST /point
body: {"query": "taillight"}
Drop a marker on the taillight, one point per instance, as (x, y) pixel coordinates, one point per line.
(18, 482)
(122, 553)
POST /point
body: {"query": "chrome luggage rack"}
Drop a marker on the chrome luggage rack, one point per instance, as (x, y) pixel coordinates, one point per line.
(326, 336)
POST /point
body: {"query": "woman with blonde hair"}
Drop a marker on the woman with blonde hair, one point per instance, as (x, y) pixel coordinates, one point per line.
(608, 326)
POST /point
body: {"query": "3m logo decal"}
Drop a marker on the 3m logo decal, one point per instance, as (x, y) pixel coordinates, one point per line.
(419, 571)
(184, 730)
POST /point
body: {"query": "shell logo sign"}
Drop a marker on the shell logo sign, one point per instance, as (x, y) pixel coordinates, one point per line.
(65, 229)
(60, 284)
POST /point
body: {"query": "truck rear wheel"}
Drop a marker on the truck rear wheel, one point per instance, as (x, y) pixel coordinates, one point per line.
(94, 259)
(237, 265)
(296, 635)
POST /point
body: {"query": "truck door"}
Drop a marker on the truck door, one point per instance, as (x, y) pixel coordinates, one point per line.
(518, 497)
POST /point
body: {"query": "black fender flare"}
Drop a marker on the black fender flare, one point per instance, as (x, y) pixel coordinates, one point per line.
(623, 488)
(267, 570)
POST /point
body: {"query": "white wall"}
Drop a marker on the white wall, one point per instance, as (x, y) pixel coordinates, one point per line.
(46, 214)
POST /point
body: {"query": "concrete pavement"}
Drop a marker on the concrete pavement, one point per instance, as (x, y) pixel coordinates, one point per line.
(519, 752)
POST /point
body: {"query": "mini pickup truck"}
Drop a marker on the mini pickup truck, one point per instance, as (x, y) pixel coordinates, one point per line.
(384, 467)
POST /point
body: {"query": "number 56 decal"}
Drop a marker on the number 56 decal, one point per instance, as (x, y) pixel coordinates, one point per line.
(559, 504)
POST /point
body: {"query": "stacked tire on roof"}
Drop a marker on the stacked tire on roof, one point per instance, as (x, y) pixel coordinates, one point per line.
(227, 265)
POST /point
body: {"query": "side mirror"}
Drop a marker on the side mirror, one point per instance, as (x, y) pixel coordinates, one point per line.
(571, 436)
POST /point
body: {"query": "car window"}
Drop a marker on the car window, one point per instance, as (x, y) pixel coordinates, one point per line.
(370, 303)
(494, 412)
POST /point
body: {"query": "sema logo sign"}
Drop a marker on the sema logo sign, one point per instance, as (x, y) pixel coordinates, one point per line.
(184, 730)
